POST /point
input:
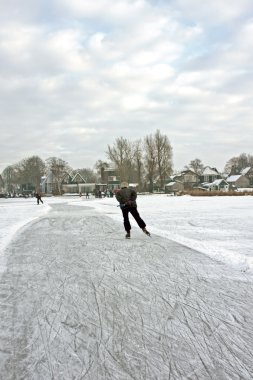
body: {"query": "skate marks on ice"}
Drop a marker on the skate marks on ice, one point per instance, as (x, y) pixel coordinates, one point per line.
(78, 301)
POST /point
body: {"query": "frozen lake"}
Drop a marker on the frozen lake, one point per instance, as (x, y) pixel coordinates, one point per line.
(220, 227)
(79, 301)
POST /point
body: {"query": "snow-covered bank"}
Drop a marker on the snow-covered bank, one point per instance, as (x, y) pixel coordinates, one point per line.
(14, 214)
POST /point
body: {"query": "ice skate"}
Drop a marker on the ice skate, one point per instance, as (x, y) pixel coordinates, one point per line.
(146, 231)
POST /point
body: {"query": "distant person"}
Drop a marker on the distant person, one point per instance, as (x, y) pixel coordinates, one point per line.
(80, 194)
(127, 200)
(87, 195)
(38, 197)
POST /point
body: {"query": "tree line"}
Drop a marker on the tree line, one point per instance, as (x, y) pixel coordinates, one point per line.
(142, 161)
(233, 166)
(138, 161)
(30, 171)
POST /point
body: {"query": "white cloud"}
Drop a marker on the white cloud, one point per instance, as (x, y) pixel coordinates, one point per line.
(103, 9)
(137, 102)
(75, 75)
(213, 12)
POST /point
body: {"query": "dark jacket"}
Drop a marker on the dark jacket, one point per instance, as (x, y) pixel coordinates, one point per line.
(127, 197)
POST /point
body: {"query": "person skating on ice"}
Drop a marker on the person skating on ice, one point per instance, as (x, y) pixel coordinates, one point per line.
(127, 200)
(38, 196)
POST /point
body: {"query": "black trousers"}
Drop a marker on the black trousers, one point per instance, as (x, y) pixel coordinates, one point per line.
(136, 215)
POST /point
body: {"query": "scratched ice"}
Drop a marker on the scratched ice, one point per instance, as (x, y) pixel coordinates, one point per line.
(78, 301)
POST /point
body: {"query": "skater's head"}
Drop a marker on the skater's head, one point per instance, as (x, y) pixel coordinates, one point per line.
(123, 184)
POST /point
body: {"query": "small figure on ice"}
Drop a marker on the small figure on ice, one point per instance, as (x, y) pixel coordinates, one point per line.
(127, 201)
(38, 196)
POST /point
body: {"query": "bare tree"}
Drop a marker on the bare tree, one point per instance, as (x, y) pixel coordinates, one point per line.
(88, 175)
(138, 160)
(235, 164)
(121, 155)
(59, 168)
(31, 170)
(10, 177)
(158, 158)
(163, 156)
(150, 160)
(196, 165)
(1, 183)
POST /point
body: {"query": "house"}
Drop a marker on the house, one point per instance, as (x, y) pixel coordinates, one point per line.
(174, 187)
(27, 188)
(209, 175)
(217, 185)
(238, 181)
(248, 172)
(189, 178)
(111, 178)
(71, 184)
(48, 185)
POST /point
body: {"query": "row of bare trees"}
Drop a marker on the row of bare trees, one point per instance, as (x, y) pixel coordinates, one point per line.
(237, 164)
(142, 161)
(30, 170)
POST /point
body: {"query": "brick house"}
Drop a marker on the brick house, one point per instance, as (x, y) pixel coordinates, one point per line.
(111, 178)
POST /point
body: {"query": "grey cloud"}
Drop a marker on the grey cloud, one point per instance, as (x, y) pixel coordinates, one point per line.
(72, 83)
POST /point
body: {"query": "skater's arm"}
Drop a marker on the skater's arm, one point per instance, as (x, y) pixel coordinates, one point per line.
(118, 197)
(133, 195)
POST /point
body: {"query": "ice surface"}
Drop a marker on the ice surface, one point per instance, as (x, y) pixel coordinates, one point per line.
(78, 301)
(220, 227)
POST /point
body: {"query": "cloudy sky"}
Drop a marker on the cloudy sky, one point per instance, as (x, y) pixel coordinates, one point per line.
(77, 74)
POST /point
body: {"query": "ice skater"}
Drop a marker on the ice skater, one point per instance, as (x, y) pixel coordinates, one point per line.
(127, 201)
(38, 196)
